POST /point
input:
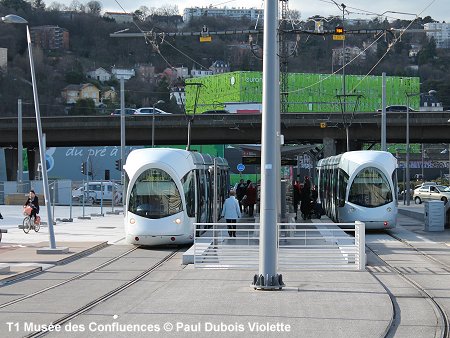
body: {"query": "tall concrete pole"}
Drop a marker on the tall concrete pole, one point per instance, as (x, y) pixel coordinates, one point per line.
(19, 147)
(383, 112)
(408, 183)
(267, 278)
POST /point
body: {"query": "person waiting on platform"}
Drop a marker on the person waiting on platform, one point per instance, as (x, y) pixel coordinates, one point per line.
(305, 198)
(241, 190)
(250, 201)
(296, 196)
(33, 202)
(231, 212)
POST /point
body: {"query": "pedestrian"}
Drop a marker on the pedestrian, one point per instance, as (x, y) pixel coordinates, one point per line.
(1, 217)
(296, 198)
(241, 190)
(251, 198)
(231, 212)
(305, 197)
(33, 202)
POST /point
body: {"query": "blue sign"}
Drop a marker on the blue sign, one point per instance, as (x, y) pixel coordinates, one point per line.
(240, 167)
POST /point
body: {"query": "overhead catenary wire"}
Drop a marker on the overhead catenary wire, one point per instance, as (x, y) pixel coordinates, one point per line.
(393, 44)
(156, 47)
(352, 60)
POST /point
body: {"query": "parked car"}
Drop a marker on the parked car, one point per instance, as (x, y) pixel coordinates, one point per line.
(93, 194)
(424, 184)
(432, 193)
(149, 111)
(397, 108)
(128, 111)
(216, 112)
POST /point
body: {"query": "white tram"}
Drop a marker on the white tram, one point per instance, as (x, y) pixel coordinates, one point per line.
(167, 190)
(359, 186)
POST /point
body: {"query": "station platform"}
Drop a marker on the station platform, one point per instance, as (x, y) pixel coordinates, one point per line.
(202, 302)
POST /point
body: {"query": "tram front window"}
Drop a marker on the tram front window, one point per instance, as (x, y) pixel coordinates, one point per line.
(370, 189)
(155, 195)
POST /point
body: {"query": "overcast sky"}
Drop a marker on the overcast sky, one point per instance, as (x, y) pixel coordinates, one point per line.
(438, 10)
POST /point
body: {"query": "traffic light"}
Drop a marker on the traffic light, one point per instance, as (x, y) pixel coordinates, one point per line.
(339, 30)
(83, 168)
(119, 164)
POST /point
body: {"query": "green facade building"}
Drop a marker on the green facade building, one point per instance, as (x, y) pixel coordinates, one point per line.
(307, 92)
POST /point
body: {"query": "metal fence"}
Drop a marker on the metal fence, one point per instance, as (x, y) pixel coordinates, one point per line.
(73, 202)
(300, 246)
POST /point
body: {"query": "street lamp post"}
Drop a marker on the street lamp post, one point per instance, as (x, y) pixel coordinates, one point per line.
(15, 19)
(408, 183)
(153, 121)
(19, 147)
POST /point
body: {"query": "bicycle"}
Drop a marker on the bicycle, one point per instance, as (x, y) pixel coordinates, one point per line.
(30, 222)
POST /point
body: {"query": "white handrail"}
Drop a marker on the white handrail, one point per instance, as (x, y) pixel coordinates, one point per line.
(300, 246)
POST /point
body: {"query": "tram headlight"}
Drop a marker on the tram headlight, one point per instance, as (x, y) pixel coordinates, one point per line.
(389, 209)
(132, 221)
(178, 221)
(351, 209)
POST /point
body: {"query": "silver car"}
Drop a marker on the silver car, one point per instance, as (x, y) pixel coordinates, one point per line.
(432, 193)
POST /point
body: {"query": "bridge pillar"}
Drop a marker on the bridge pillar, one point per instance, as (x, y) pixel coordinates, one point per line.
(329, 147)
(11, 164)
(32, 163)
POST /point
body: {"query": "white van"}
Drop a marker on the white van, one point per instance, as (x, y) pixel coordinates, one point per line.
(110, 190)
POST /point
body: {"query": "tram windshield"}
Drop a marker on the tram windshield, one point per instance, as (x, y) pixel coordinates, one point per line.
(370, 189)
(155, 195)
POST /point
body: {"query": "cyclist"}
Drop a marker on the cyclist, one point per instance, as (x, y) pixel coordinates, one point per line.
(33, 202)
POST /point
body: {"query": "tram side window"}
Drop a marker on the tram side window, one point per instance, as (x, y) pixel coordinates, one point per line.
(125, 184)
(188, 182)
(395, 184)
(343, 180)
(370, 188)
(201, 208)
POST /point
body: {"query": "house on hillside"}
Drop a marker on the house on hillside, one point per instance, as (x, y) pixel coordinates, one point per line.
(109, 93)
(201, 72)
(120, 17)
(72, 93)
(50, 37)
(99, 74)
(219, 67)
(179, 95)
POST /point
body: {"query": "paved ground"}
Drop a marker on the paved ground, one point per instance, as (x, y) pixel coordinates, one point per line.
(81, 236)
(180, 300)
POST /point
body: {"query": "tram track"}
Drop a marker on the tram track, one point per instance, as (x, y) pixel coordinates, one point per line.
(439, 310)
(64, 319)
(79, 276)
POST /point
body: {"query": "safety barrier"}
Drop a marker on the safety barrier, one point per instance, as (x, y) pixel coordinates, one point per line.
(300, 246)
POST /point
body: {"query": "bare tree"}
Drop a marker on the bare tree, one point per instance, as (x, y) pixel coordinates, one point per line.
(142, 13)
(167, 10)
(56, 7)
(77, 6)
(94, 7)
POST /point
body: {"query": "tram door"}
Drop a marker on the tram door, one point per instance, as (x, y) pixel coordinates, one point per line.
(201, 196)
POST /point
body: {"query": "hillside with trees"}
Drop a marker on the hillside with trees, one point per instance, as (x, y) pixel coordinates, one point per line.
(91, 47)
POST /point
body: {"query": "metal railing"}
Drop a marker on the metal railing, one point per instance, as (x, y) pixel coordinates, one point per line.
(300, 246)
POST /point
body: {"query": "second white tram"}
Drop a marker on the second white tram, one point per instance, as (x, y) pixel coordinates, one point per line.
(167, 190)
(359, 186)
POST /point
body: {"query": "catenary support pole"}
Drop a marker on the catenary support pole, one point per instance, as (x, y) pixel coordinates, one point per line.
(267, 278)
(383, 112)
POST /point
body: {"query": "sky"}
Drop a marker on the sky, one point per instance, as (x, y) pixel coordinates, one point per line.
(438, 9)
